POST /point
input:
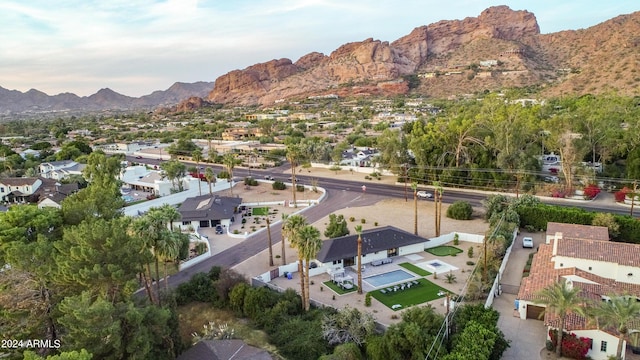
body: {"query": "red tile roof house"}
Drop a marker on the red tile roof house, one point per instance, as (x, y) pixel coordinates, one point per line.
(584, 257)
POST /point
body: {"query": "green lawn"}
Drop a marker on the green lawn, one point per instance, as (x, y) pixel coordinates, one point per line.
(415, 295)
(261, 211)
(444, 250)
(415, 269)
(337, 289)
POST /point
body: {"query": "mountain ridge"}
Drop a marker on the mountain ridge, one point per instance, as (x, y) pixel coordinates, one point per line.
(36, 101)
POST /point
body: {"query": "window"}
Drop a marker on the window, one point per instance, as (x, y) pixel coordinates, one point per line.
(186, 223)
(603, 346)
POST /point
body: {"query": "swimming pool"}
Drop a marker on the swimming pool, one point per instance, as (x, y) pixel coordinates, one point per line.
(127, 198)
(388, 278)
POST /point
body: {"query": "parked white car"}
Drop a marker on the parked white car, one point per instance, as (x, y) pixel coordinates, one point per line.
(424, 194)
(527, 242)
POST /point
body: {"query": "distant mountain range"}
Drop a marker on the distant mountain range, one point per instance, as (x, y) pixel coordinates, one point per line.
(34, 101)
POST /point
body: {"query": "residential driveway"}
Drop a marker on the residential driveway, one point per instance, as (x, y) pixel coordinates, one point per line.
(527, 336)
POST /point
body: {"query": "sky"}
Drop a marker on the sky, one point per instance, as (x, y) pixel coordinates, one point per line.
(135, 47)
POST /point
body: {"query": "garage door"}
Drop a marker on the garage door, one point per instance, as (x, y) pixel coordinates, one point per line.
(533, 312)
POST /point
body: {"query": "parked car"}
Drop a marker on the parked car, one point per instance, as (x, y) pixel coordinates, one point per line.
(424, 194)
(268, 177)
(552, 179)
(219, 229)
(527, 242)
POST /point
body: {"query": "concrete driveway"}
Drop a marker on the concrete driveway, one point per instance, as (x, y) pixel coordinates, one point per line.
(527, 337)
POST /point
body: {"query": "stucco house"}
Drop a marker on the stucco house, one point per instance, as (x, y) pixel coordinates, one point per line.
(59, 170)
(208, 211)
(378, 245)
(18, 190)
(583, 257)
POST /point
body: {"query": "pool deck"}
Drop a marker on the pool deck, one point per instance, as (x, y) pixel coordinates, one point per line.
(325, 296)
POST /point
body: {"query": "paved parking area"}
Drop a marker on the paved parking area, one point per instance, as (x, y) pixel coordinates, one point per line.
(527, 337)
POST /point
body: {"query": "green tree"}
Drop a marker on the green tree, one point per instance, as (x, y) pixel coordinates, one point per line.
(337, 227)
(609, 221)
(475, 342)
(229, 161)
(619, 313)
(100, 257)
(174, 170)
(308, 245)
(561, 299)
(67, 355)
(293, 226)
(294, 156)
(210, 176)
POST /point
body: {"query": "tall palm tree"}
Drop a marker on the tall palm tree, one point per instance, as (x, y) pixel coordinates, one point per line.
(618, 313)
(437, 201)
(229, 161)
(561, 299)
(359, 232)
(168, 249)
(196, 155)
(284, 232)
(210, 176)
(269, 238)
(293, 156)
(309, 245)
(414, 187)
(294, 224)
(140, 229)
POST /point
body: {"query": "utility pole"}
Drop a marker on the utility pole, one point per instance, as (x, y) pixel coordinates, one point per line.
(406, 178)
(633, 195)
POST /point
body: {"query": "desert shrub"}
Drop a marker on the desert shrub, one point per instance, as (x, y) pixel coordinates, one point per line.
(367, 300)
(456, 239)
(278, 185)
(250, 181)
(352, 219)
(363, 220)
(470, 252)
(470, 263)
(300, 188)
(460, 210)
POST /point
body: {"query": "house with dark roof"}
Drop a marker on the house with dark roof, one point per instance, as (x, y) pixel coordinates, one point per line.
(18, 190)
(208, 211)
(224, 350)
(378, 246)
(582, 256)
(53, 196)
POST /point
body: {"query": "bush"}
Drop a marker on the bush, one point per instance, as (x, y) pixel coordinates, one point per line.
(456, 239)
(364, 221)
(352, 219)
(470, 252)
(250, 181)
(300, 188)
(367, 300)
(470, 263)
(460, 210)
(278, 185)
(591, 191)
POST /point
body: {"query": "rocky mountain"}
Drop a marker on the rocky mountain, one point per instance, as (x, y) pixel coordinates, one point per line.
(34, 101)
(499, 48)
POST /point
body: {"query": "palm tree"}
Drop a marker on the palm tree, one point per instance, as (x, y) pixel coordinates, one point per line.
(229, 161)
(414, 187)
(293, 155)
(437, 201)
(168, 249)
(196, 155)
(618, 313)
(210, 176)
(561, 299)
(294, 224)
(359, 232)
(309, 245)
(284, 232)
(270, 242)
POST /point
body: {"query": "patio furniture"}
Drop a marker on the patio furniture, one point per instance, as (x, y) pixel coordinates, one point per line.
(395, 288)
(396, 306)
(402, 287)
(415, 282)
(383, 291)
(389, 289)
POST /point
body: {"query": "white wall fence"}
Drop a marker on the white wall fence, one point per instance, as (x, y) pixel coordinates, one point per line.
(495, 289)
(443, 239)
(357, 169)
